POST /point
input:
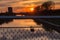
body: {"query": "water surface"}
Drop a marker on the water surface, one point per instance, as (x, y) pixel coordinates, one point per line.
(19, 22)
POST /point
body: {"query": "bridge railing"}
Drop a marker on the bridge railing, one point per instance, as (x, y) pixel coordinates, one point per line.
(24, 33)
(29, 17)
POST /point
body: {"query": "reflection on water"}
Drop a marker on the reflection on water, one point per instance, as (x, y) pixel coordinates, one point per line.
(19, 22)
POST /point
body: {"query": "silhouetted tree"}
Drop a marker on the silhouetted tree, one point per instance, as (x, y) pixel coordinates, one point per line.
(48, 5)
(37, 10)
(46, 8)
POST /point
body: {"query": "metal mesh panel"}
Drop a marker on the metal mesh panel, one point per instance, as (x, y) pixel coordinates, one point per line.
(27, 34)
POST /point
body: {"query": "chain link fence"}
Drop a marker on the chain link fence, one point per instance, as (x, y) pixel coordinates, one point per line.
(28, 34)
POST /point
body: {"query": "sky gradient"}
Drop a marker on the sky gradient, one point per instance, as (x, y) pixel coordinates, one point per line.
(20, 4)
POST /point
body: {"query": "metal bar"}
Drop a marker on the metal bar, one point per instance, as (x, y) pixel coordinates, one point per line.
(21, 27)
(29, 17)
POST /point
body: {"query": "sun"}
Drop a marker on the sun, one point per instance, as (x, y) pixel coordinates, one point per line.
(32, 9)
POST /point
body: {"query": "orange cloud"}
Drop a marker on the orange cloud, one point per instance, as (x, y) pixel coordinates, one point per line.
(23, 5)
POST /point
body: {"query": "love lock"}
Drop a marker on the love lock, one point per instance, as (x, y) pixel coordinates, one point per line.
(32, 29)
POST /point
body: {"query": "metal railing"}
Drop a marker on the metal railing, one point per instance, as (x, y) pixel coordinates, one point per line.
(29, 17)
(25, 33)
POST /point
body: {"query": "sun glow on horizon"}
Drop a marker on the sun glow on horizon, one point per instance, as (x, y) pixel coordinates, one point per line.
(32, 9)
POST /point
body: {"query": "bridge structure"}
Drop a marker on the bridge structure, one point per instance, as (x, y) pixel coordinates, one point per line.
(29, 17)
(21, 33)
(33, 17)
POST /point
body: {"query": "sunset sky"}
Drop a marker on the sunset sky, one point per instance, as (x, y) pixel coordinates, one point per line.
(23, 5)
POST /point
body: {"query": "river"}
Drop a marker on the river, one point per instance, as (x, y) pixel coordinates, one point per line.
(19, 23)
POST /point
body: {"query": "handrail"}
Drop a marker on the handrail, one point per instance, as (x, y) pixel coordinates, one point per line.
(29, 17)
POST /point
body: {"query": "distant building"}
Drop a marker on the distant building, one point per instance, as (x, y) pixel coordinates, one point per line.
(10, 10)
